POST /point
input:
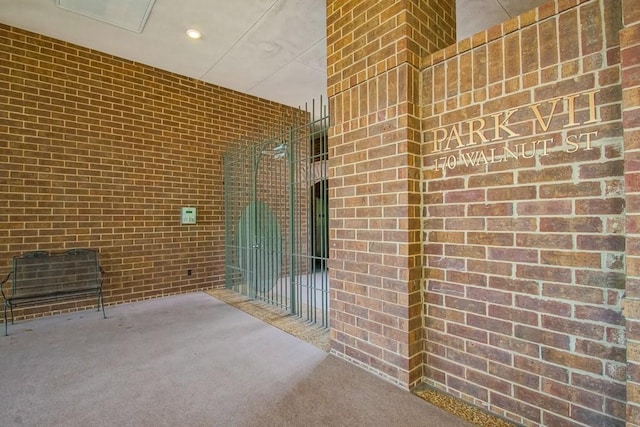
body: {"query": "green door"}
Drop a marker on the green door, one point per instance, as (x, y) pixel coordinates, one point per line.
(260, 248)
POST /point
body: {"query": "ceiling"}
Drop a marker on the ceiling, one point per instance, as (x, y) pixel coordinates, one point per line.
(274, 49)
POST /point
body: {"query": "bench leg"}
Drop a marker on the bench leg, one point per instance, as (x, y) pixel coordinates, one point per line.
(101, 304)
(6, 331)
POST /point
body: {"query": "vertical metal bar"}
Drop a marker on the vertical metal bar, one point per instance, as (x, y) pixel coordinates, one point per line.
(271, 231)
(325, 222)
(227, 219)
(282, 206)
(283, 264)
(292, 267)
(309, 212)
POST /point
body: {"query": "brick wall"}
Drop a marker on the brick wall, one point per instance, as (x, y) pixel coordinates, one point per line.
(630, 66)
(374, 51)
(513, 206)
(524, 221)
(101, 152)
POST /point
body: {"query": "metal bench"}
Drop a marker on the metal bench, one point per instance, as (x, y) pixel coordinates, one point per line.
(41, 277)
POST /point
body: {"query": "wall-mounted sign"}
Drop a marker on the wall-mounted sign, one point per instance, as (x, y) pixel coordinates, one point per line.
(495, 139)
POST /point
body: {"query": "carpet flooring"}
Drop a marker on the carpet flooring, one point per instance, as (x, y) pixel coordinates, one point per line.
(320, 338)
(274, 316)
(188, 360)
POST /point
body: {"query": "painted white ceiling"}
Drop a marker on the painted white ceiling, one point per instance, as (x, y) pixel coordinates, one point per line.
(274, 49)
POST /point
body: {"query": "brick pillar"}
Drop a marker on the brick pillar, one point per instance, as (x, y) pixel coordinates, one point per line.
(630, 66)
(373, 60)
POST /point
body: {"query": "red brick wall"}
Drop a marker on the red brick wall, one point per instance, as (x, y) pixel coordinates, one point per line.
(524, 217)
(102, 152)
(374, 51)
(630, 65)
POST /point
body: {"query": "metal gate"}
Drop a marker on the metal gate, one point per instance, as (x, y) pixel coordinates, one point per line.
(276, 215)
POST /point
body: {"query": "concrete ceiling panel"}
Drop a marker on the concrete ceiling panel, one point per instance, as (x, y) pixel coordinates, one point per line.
(296, 84)
(221, 27)
(286, 31)
(473, 16)
(128, 14)
(247, 45)
(518, 7)
(316, 56)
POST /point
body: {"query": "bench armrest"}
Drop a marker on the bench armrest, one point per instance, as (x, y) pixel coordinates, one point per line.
(3, 282)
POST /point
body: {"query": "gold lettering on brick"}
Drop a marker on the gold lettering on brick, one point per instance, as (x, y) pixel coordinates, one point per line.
(505, 153)
(437, 140)
(455, 141)
(502, 125)
(473, 131)
(592, 106)
(571, 109)
(545, 124)
(453, 134)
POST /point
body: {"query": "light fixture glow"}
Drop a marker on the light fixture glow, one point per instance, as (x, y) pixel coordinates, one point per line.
(194, 34)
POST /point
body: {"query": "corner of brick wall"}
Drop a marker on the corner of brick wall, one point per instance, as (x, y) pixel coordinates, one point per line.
(373, 55)
(630, 66)
(101, 152)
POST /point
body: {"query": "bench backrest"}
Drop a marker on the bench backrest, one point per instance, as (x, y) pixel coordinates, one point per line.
(42, 273)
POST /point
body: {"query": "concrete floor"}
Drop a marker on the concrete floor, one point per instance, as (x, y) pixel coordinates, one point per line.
(188, 360)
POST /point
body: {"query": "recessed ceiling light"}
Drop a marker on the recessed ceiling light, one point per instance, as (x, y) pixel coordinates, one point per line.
(194, 34)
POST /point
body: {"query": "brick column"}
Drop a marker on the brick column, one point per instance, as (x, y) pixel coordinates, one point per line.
(630, 66)
(373, 59)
